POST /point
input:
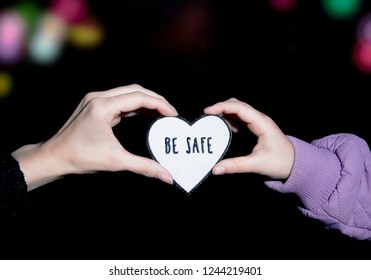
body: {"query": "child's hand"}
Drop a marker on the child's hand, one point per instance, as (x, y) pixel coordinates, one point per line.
(273, 154)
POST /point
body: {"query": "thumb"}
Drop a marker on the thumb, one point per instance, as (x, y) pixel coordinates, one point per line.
(245, 164)
(148, 167)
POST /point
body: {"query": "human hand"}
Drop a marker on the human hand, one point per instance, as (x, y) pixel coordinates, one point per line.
(273, 154)
(86, 142)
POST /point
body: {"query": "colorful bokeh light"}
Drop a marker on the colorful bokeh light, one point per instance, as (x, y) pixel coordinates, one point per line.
(47, 42)
(87, 34)
(364, 28)
(26, 29)
(282, 5)
(6, 84)
(71, 11)
(341, 9)
(362, 56)
(12, 35)
(30, 12)
(39, 35)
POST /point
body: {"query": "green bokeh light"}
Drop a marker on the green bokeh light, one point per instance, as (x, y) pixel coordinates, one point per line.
(30, 12)
(341, 9)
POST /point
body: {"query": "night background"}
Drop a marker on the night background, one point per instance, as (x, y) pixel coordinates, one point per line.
(306, 64)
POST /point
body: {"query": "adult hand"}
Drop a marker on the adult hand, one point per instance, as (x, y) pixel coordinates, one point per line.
(86, 142)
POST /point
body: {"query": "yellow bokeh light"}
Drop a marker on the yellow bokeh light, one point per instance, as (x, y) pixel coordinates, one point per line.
(6, 84)
(86, 35)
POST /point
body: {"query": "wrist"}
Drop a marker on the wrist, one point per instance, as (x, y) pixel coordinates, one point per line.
(38, 165)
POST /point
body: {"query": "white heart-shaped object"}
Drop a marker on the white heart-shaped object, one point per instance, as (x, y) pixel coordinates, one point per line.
(188, 150)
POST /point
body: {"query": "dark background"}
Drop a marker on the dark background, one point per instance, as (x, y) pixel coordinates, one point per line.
(294, 66)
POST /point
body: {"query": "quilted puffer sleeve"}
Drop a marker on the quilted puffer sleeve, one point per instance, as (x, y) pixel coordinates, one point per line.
(332, 177)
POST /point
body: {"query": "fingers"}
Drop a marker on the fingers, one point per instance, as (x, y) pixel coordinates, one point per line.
(272, 154)
(233, 106)
(129, 89)
(128, 104)
(117, 105)
(256, 121)
(134, 88)
(123, 91)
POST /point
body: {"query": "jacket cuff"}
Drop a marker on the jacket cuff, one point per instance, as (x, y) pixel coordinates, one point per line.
(314, 175)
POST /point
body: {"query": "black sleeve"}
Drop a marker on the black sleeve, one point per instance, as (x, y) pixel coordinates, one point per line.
(13, 196)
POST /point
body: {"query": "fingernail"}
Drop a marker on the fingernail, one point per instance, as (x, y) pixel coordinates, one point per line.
(165, 178)
(173, 108)
(218, 170)
(234, 129)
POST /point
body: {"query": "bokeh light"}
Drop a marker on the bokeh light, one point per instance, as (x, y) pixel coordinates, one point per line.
(362, 50)
(12, 34)
(6, 84)
(30, 12)
(87, 34)
(282, 5)
(364, 28)
(362, 56)
(39, 34)
(341, 9)
(71, 11)
(47, 42)
(187, 32)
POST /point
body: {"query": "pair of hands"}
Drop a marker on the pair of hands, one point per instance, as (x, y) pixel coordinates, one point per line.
(87, 144)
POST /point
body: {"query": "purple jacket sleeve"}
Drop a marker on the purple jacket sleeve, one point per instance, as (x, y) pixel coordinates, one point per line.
(332, 177)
